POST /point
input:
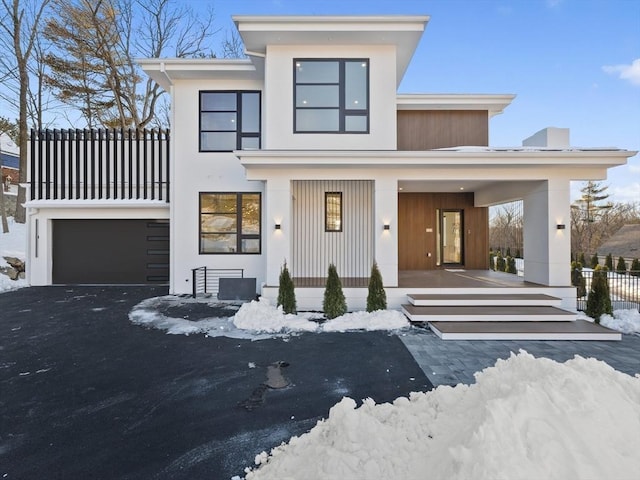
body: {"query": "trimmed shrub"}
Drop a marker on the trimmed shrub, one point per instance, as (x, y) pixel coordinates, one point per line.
(500, 262)
(594, 261)
(635, 268)
(599, 299)
(511, 265)
(334, 303)
(286, 291)
(621, 267)
(377, 297)
(581, 259)
(577, 279)
(608, 262)
(492, 258)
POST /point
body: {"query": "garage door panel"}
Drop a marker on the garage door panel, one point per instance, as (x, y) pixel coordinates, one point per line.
(110, 251)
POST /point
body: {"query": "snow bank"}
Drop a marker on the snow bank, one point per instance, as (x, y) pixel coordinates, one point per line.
(625, 321)
(261, 316)
(378, 320)
(524, 418)
(12, 244)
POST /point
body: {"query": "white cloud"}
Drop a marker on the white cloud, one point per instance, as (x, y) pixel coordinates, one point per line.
(629, 193)
(625, 72)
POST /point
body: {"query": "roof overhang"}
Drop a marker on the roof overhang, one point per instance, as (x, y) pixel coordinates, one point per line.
(493, 103)
(402, 31)
(166, 70)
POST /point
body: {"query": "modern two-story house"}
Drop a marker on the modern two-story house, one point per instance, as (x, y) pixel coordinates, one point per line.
(305, 153)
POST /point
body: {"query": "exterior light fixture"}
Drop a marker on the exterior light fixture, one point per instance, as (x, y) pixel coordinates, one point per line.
(386, 226)
(278, 226)
(561, 226)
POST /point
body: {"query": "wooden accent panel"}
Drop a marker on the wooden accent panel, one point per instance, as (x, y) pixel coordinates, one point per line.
(417, 213)
(429, 129)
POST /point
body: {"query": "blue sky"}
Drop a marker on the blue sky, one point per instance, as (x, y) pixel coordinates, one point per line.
(570, 62)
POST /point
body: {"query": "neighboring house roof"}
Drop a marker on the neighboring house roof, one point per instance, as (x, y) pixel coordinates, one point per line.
(624, 243)
(9, 160)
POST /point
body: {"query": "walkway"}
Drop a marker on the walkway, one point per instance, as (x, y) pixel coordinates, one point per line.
(455, 361)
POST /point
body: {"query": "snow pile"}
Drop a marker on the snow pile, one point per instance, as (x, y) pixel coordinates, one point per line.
(523, 418)
(12, 244)
(625, 321)
(261, 316)
(256, 320)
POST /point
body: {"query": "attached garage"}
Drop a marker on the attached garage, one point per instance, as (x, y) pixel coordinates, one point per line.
(110, 251)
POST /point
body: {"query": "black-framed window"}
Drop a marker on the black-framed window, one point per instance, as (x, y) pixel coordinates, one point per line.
(230, 222)
(333, 211)
(229, 120)
(331, 95)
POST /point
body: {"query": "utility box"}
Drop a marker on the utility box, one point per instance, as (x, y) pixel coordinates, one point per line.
(237, 289)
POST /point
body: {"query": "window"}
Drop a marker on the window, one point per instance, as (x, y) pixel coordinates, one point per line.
(230, 222)
(333, 211)
(331, 96)
(229, 121)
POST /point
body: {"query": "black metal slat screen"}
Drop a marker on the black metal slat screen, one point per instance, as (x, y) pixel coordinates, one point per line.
(115, 164)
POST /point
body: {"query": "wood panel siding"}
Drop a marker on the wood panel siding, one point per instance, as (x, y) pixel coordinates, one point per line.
(417, 215)
(429, 129)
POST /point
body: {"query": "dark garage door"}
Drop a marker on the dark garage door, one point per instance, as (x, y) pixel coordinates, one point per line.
(110, 251)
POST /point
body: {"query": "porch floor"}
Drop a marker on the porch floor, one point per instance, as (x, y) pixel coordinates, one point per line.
(460, 278)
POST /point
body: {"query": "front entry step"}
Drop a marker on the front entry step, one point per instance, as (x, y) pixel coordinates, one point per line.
(495, 313)
(577, 330)
(465, 299)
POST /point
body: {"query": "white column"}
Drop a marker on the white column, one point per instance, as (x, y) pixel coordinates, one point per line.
(386, 241)
(547, 249)
(277, 241)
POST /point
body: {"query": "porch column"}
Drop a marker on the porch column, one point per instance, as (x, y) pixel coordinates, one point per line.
(386, 241)
(277, 241)
(547, 249)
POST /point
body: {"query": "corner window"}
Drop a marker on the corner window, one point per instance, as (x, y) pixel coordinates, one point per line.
(230, 223)
(333, 211)
(331, 96)
(229, 121)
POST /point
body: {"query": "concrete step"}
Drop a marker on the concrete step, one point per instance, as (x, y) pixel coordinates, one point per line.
(468, 299)
(576, 330)
(506, 313)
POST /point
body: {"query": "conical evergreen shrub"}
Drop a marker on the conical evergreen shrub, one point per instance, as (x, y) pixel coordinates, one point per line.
(577, 279)
(492, 259)
(594, 261)
(635, 268)
(334, 303)
(621, 267)
(581, 259)
(608, 262)
(500, 262)
(377, 297)
(286, 291)
(511, 265)
(599, 299)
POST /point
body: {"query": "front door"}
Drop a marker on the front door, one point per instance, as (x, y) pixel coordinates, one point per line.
(450, 237)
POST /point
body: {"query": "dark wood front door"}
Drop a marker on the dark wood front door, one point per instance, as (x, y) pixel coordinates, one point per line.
(418, 225)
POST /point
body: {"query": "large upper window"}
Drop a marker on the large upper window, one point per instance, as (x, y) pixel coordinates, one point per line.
(230, 222)
(229, 121)
(331, 96)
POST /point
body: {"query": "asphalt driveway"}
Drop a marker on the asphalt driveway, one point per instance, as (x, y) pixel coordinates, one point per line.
(86, 394)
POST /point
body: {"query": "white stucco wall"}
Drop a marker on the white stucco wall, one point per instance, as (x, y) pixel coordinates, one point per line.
(279, 99)
(194, 172)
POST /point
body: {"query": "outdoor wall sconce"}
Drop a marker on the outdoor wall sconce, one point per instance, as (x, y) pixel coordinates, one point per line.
(278, 226)
(561, 226)
(386, 226)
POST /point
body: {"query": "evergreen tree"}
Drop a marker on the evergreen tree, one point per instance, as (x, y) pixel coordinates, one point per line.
(581, 259)
(377, 298)
(500, 262)
(492, 258)
(594, 261)
(635, 268)
(622, 266)
(608, 262)
(286, 291)
(334, 303)
(599, 299)
(586, 212)
(511, 265)
(577, 279)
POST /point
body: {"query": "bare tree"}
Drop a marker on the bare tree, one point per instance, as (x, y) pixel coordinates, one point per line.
(19, 31)
(232, 46)
(96, 43)
(506, 227)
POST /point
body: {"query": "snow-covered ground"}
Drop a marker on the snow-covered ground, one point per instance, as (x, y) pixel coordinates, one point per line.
(12, 244)
(524, 418)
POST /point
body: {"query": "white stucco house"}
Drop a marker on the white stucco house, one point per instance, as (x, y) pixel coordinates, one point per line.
(305, 152)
